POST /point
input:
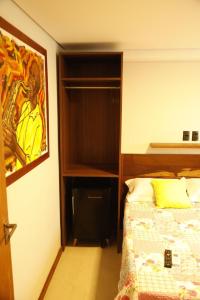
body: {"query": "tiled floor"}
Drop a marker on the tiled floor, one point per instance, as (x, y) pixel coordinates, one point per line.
(86, 273)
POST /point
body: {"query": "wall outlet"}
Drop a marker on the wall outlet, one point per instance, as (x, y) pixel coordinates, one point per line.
(186, 135)
(195, 135)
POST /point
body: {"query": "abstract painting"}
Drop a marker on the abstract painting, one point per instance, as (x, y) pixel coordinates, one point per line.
(24, 101)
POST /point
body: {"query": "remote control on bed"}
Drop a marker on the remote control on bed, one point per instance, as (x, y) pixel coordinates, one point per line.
(168, 258)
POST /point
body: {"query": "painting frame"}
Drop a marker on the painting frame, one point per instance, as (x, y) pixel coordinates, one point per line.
(37, 56)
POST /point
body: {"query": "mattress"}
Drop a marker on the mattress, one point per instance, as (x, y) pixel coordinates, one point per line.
(148, 232)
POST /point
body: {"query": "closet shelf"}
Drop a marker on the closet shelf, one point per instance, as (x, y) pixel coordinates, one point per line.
(75, 79)
(91, 83)
(92, 87)
(175, 145)
(83, 170)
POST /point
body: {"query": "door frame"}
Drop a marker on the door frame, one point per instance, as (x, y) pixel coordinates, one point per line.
(6, 277)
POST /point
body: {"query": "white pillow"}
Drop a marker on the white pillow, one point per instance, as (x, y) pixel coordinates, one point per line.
(140, 189)
(193, 189)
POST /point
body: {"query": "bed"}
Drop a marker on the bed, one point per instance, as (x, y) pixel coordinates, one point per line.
(149, 230)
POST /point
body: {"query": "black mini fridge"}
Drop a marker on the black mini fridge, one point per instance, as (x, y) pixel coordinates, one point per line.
(91, 209)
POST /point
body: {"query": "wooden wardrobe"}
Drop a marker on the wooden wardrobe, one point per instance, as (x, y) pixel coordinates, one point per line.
(90, 92)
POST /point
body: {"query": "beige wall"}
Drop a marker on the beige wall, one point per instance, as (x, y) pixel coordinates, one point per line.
(160, 100)
(33, 200)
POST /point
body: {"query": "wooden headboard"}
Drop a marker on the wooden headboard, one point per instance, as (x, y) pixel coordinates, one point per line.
(160, 165)
(154, 165)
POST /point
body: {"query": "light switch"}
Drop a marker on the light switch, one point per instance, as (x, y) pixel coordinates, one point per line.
(195, 135)
(186, 135)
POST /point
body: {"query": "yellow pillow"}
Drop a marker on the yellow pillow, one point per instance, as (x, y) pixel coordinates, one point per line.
(171, 193)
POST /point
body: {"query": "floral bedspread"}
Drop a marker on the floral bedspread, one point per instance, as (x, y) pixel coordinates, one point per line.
(148, 231)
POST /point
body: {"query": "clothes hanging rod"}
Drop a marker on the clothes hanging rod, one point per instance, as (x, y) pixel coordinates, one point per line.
(92, 87)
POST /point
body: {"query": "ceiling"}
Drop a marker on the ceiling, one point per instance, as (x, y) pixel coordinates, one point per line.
(119, 24)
